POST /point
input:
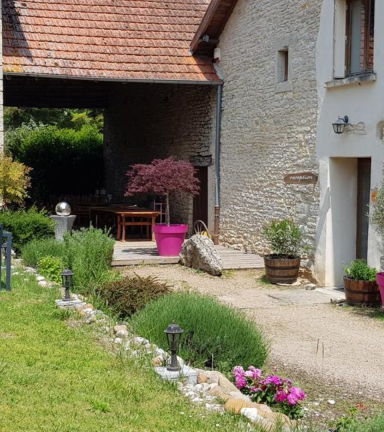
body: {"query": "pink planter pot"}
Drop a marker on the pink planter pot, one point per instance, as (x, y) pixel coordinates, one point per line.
(380, 282)
(169, 239)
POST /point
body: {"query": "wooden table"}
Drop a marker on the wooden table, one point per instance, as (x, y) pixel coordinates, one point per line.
(128, 216)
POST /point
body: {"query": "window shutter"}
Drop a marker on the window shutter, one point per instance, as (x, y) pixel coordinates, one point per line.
(340, 39)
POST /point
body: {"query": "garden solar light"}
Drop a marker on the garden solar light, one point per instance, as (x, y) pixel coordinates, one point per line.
(67, 282)
(339, 124)
(173, 332)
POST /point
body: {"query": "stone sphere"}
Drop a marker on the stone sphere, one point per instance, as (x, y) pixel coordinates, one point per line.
(63, 209)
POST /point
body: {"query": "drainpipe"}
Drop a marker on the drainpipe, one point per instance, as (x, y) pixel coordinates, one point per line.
(217, 165)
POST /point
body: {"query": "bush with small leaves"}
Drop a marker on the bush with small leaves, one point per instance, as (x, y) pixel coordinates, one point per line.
(51, 268)
(130, 294)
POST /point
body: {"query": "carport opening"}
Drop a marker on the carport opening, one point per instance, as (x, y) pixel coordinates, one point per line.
(140, 122)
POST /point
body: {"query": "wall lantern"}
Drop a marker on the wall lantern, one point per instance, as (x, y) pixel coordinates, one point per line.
(173, 333)
(67, 283)
(339, 124)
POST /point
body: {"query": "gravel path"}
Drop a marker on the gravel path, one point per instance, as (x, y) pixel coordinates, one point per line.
(306, 332)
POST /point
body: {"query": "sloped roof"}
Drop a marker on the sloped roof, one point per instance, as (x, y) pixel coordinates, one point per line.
(136, 40)
(209, 31)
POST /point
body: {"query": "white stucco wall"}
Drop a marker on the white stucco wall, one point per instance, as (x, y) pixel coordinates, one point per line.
(336, 229)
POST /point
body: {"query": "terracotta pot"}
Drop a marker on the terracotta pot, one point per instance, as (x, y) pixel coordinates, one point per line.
(281, 270)
(361, 293)
(169, 239)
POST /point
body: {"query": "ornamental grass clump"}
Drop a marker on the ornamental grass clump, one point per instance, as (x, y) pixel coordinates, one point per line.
(271, 389)
(284, 238)
(163, 177)
(215, 335)
(35, 250)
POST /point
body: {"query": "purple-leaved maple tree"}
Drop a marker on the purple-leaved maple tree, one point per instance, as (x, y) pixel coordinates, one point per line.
(162, 177)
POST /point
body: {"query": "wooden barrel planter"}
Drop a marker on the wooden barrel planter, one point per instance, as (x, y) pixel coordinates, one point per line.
(282, 270)
(361, 293)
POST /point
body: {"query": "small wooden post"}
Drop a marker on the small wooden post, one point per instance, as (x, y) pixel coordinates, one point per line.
(216, 227)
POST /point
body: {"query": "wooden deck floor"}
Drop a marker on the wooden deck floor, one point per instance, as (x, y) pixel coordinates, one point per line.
(145, 252)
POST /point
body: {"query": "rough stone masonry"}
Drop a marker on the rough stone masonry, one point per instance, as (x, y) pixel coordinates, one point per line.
(268, 127)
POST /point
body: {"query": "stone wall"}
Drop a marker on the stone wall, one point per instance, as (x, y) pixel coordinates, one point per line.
(268, 127)
(148, 121)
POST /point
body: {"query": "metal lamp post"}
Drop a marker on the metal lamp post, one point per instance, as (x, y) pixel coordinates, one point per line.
(173, 333)
(67, 283)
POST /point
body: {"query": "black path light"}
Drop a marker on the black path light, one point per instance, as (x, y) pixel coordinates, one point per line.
(67, 283)
(173, 333)
(339, 124)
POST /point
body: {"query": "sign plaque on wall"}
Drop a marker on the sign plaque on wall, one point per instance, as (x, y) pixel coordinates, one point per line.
(304, 178)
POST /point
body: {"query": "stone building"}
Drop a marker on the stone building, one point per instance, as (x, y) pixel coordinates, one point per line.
(246, 90)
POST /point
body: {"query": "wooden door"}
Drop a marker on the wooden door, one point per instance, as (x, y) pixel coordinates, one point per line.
(200, 202)
(363, 197)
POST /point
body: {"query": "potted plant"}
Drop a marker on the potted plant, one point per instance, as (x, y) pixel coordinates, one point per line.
(377, 218)
(285, 240)
(164, 177)
(360, 284)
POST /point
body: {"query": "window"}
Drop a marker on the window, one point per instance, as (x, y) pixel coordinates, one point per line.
(354, 37)
(282, 65)
(360, 36)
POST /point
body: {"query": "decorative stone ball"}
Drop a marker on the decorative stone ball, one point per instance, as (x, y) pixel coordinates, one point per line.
(63, 209)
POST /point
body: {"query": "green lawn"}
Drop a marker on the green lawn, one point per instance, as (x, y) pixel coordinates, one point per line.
(55, 377)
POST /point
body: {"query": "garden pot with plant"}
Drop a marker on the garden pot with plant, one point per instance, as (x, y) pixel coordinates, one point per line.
(360, 285)
(377, 218)
(285, 239)
(164, 177)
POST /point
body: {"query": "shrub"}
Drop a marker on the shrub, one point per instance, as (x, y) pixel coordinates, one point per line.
(130, 294)
(51, 267)
(360, 270)
(285, 238)
(26, 226)
(272, 390)
(59, 158)
(89, 255)
(215, 335)
(33, 251)
(14, 181)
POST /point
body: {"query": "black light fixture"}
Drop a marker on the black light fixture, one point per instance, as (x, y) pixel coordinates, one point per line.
(66, 276)
(339, 124)
(173, 333)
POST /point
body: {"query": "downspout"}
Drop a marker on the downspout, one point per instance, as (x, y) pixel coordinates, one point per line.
(217, 165)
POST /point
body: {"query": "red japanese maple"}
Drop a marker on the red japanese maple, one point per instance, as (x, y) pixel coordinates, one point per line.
(162, 177)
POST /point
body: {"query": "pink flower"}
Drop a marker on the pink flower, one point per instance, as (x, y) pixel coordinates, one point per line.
(281, 397)
(300, 395)
(240, 381)
(256, 373)
(273, 379)
(238, 371)
(292, 399)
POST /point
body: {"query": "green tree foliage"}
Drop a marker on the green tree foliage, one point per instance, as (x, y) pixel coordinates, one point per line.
(14, 181)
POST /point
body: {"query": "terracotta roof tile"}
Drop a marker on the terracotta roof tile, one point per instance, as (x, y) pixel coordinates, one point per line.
(107, 39)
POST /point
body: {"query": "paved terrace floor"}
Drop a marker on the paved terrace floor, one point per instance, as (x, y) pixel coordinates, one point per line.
(145, 252)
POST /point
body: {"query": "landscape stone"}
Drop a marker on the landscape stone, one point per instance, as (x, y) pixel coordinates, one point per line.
(310, 287)
(234, 406)
(276, 417)
(157, 361)
(252, 414)
(213, 376)
(200, 253)
(119, 327)
(40, 278)
(239, 395)
(218, 392)
(227, 386)
(202, 378)
(43, 283)
(122, 333)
